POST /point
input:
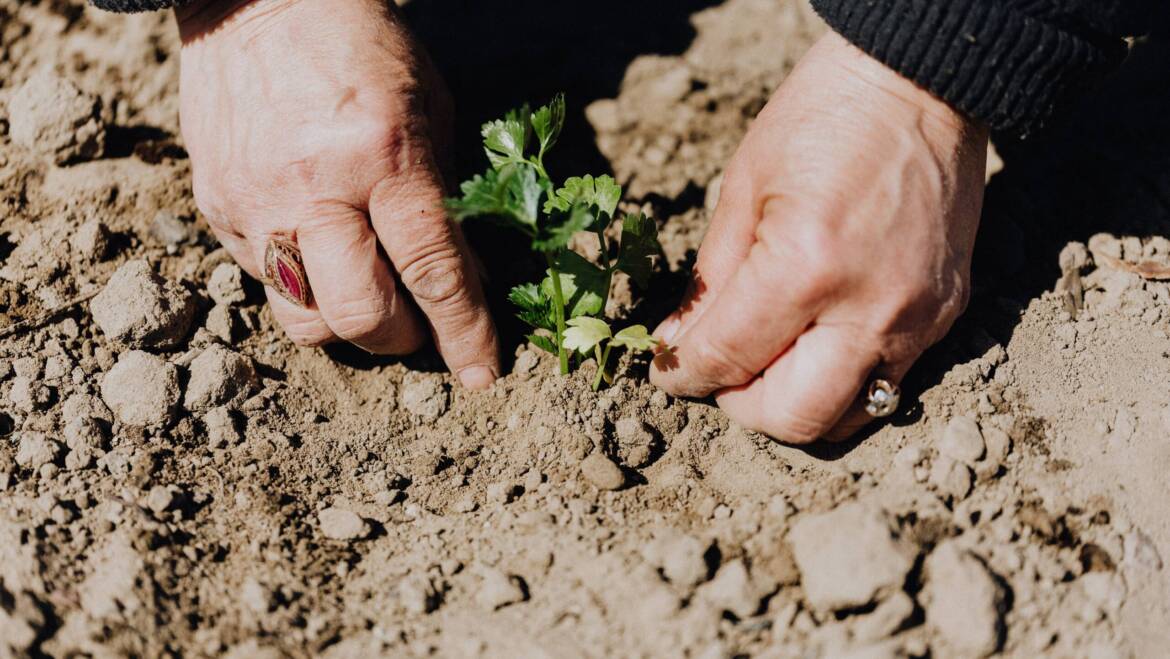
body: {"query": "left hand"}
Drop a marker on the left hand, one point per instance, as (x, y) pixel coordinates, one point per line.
(840, 249)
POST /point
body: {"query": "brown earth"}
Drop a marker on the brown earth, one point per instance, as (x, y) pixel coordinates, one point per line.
(177, 479)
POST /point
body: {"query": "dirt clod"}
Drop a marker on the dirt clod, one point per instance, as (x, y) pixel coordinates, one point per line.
(140, 309)
(962, 441)
(142, 389)
(340, 524)
(498, 589)
(50, 116)
(226, 284)
(733, 590)
(425, 397)
(849, 557)
(636, 442)
(219, 376)
(602, 472)
(37, 450)
(963, 601)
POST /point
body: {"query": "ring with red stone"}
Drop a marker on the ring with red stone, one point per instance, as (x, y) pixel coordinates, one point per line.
(284, 271)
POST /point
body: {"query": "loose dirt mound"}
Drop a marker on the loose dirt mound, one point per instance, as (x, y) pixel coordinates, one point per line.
(178, 479)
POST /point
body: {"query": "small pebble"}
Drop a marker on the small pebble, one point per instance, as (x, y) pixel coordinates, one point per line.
(339, 524)
(602, 472)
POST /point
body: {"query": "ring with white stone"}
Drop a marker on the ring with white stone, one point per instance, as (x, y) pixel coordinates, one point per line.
(882, 398)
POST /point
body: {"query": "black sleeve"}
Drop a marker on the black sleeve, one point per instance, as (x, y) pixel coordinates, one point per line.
(1005, 62)
(127, 6)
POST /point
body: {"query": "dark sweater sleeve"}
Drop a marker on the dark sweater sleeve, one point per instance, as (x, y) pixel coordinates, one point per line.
(1004, 62)
(127, 6)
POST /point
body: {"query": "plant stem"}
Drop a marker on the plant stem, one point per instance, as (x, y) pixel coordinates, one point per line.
(558, 312)
(602, 363)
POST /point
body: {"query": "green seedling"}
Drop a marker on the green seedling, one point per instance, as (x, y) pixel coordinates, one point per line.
(567, 307)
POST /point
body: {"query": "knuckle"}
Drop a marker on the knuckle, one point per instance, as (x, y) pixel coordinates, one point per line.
(805, 265)
(435, 276)
(713, 362)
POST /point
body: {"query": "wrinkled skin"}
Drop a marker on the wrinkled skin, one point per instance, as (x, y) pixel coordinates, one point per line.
(319, 120)
(839, 251)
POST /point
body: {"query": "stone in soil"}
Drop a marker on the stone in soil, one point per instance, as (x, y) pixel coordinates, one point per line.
(141, 389)
(219, 376)
(36, 450)
(962, 441)
(339, 524)
(140, 309)
(226, 284)
(425, 397)
(50, 116)
(849, 557)
(602, 472)
(963, 602)
(498, 589)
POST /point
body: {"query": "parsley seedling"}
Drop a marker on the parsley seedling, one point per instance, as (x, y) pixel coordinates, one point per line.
(517, 192)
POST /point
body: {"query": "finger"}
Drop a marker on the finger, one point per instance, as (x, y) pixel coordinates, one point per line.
(856, 418)
(761, 310)
(434, 263)
(725, 246)
(352, 283)
(808, 389)
(304, 327)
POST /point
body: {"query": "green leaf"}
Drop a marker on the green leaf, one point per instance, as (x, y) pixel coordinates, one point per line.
(584, 285)
(548, 121)
(635, 338)
(511, 193)
(560, 229)
(584, 333)
(505, 140)
(535, 307)
(543, 342)
(639, 243)
(481, 196)
(602, 193)
(522, 198)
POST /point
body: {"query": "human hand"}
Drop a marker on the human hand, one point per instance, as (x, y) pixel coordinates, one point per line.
(318, 120)
(839, 251)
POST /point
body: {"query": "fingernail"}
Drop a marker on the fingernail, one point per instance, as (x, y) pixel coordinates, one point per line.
(477, 377)
(668, 329)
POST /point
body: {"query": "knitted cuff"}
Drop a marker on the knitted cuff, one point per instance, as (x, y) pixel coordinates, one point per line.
(129, 6)
(990, 62)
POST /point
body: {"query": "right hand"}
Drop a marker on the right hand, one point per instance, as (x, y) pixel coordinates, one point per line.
(318, 119)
